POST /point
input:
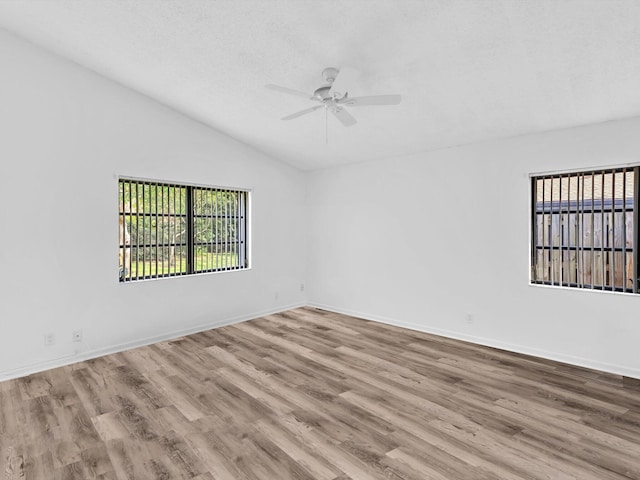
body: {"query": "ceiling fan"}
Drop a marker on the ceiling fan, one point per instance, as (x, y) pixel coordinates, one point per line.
(334, 96)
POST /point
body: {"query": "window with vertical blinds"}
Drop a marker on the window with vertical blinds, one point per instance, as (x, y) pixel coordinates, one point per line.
(585, 229)
(169, 230)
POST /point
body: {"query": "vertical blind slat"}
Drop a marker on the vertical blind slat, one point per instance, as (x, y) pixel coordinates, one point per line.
(636, 229)
(602, 227)
(612, 236)
(581, 233)
(592, 231)
(226, 230)
(625, 277)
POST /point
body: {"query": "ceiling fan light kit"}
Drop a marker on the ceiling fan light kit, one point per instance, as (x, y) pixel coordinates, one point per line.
(334, 96)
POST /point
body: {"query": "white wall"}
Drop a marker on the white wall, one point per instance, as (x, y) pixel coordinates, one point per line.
(425, 240)
(65, 136)
(405, 241)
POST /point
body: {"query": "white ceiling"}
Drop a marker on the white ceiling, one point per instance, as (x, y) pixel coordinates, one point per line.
(468, 70)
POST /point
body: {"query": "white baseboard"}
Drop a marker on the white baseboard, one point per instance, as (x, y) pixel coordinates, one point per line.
(489, 342)
(87, 355)
(99, 352)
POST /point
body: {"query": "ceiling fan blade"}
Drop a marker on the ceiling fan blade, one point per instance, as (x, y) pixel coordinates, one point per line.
(302, 112)
(345, 79)
(373, 100)
(289, 91)
(345, 117)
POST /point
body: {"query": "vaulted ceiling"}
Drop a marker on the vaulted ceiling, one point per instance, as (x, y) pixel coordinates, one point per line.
(468, 70)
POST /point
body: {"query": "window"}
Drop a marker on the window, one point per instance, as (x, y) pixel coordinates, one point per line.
(169, 230)
(585, 229)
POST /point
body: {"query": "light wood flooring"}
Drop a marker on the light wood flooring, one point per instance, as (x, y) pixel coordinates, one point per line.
(309, 394)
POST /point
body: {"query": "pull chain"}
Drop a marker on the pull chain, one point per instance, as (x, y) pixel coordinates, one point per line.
(326, 125)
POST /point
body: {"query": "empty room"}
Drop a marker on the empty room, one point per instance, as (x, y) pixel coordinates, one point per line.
(320, 239)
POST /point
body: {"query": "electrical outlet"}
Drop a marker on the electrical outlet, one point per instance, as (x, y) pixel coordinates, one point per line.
(469, 319)
(77, 335)
(302, 287)
(276, 296)
(49, 339)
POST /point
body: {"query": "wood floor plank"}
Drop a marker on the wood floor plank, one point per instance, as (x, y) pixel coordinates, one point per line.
(314, 395)
(318, 467)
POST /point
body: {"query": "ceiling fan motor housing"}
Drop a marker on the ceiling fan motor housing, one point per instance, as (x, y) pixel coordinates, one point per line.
(323, 93)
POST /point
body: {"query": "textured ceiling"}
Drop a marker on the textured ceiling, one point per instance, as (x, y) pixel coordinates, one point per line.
(468, 70)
